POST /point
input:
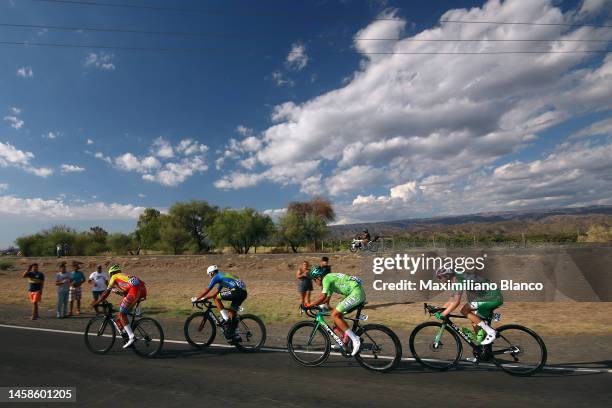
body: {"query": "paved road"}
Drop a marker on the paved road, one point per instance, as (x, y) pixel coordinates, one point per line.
(181, 376)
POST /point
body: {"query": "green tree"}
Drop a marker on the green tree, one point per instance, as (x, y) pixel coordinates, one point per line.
(148, 228)
(173, 238)
(291, 230)
(195, 217)
(121, 244)
(241, 229)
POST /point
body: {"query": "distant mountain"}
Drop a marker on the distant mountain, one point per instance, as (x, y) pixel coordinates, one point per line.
(504, 221)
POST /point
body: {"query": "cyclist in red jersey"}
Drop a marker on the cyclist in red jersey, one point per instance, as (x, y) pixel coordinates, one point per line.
(131, 288)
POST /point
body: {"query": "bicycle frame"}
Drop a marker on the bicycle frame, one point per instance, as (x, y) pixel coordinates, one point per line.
(320, 320)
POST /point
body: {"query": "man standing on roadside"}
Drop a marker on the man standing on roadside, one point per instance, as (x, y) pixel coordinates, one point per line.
(77, 278)
(99, 281)
(62, 281)
(324, 264)
(36, 280)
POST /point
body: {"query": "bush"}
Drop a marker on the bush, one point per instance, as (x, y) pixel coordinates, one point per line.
(4, 265)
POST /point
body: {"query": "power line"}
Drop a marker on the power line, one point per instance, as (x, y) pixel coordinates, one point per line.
(281, 14)
(250, 35)
(202, 50)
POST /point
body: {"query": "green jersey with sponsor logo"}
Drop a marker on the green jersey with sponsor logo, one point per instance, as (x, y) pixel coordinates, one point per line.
(340, 283)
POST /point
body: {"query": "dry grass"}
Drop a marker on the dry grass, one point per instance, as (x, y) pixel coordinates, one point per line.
(171, 281)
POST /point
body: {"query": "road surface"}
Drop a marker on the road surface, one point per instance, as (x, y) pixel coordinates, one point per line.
(181, 376)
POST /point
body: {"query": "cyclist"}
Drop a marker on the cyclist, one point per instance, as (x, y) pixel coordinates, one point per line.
(480, 303)
(354, 295)
(131, 288)
(229, 287)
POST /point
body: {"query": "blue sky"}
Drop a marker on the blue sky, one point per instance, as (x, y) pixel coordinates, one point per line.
(282, 101)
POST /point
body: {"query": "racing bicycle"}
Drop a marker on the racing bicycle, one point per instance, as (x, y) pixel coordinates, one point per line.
(101, 332)
(309, 342)
(201, 328)
(517, 350)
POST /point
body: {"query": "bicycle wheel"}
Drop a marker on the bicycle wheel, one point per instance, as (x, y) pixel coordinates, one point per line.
(519, 350)
(100, 335)
(353, 248)
(252, 332)
(308, 344)
(149, 337)
(380, 350)
(200, 329)
(440, 354)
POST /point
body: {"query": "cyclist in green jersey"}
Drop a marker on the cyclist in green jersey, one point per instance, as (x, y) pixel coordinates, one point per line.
(350, 287)
(480, 302)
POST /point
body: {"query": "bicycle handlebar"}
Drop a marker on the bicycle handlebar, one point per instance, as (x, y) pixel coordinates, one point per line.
(201, 304)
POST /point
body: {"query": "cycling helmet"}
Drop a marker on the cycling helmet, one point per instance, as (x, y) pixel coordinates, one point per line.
(316, 272)
(444, 272)
(212, 269)
(114, 269)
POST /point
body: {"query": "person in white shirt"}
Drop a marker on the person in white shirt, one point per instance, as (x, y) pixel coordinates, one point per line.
(62, 282)
(99, 282)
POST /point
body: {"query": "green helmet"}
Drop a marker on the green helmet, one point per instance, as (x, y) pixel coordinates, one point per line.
(114, 269)
(316, 272)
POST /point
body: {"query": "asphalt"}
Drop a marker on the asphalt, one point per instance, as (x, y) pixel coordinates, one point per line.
(181, 375)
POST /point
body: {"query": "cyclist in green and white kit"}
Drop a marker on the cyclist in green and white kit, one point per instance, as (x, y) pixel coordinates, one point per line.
(350, 287)
(480, 303)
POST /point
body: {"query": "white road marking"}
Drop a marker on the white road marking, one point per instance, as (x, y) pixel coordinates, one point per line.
(282, 350)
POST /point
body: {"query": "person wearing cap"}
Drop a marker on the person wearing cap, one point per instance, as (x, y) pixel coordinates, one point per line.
(98, 280)
(228, 287)
(76, 291)
(36, 280)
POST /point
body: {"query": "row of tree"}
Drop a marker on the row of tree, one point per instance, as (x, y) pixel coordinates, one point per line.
(194, 227)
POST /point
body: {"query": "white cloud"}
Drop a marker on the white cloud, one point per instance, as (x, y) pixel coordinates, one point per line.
(140, 195)
(603, 127)
(14, 121)
(13, 157)
(173, 174)
(71, 168)
(435, 120)
(50, 135)
(89, 142)
(297, 58)
(281, 80)
(101, 156)
(275, 213)
(15, 110)
(129, 162)
(100, 60)
(25, 72)
(190, 146)
(3, 186)
(61, 209)
(162, 148)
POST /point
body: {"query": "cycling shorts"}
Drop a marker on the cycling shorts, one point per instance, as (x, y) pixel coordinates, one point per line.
(134, 294)
(484, 309)
(355, 298)
(236, 296)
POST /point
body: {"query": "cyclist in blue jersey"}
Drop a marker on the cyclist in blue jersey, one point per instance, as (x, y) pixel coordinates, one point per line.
(224, 286)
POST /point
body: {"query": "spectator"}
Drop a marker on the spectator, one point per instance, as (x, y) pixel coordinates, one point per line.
(99, 281)
(304, 282)
(77, 278)
(59, 250)
(325, 265)
(62, 281)
(65, 249)
(36, 280)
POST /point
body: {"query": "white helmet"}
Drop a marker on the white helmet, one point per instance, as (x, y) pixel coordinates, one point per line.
(212, 269)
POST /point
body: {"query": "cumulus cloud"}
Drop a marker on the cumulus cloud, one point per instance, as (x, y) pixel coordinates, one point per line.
(281, 80)
(14, 121)
(10, 156)
(59, 208)
(438, 121)
(3, 186)
(89, 142)
(162, 165)
(25, 72)
(297, 59)
(100, 60)
(71, 168)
